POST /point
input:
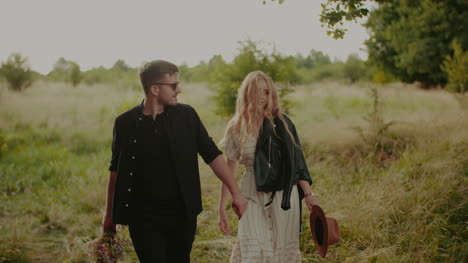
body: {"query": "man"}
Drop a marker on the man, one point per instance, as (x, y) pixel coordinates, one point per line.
(154, 183)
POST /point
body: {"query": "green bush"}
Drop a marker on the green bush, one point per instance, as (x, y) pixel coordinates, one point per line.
(226, 78)
(354, 69)
(3, 144)
(17, 72)
(410, 39)
(117, 75)
(381, 77)
(75, 75)
(332, 71)
(314, 59)
(66, 71)
(120, 74)
(456, 67)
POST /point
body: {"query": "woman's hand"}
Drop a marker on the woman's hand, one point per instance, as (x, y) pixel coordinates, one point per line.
(309, 196)
(223, 221)
(310, 201)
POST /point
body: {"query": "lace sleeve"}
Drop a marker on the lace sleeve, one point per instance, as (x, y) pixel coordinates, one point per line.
(230, 145)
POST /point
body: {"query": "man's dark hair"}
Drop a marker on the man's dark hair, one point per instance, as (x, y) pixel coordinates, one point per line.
(154, 71)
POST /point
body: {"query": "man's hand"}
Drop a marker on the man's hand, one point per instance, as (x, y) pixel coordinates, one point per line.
(239, 204)
(223, 222)
(107, 226)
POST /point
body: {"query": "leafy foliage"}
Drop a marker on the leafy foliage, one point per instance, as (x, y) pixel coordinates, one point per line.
(354, 69)
(378, 142)
(66, 71)
(456, 67)
(120, 74)
(226, 78)
(75, 75)
(3, 144)
(380, 77)
(409, 39)
(336, 12)
(17, 72)
(314, 59)
(203, 72)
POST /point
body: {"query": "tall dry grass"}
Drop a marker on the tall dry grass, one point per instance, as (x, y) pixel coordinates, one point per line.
(402, 199)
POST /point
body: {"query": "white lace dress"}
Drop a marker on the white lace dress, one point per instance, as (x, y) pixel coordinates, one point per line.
(265, 235)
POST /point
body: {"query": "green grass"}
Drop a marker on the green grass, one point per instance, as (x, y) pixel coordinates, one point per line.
(399, 196)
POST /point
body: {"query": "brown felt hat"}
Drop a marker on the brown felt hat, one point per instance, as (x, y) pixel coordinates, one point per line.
(324, 230)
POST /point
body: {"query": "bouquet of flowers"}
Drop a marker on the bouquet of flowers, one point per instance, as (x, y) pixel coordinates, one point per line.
(107, 249)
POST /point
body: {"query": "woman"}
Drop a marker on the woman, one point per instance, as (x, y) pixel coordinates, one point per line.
(269, 229)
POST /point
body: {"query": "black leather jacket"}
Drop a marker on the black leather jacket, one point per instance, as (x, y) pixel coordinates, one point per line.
(279, 163)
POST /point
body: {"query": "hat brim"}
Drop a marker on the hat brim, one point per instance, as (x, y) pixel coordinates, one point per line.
(319, 229)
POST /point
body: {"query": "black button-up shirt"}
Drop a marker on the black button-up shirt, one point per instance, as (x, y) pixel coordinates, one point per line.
(187, 137)
(155, 187)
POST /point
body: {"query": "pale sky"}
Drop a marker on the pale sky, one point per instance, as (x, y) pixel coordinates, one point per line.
(98, 32)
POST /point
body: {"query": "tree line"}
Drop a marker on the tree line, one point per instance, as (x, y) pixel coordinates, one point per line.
(421, 41)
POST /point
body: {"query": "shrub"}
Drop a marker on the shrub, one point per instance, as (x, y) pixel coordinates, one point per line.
(17, 72)
(381, 77)
(226, 78)
(456, 67)
(75, 75)
(67, 71)
(118, 75)
(333, 71)
(3, 144)
(354, 69)
(382, 146)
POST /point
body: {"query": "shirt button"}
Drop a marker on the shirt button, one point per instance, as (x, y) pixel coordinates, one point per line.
(140, 119)
(133, 157)
(126, 205)
(131, 173)
(134, 141)
(129, 189)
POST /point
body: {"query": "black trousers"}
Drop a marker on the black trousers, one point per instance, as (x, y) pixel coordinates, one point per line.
(161, 239)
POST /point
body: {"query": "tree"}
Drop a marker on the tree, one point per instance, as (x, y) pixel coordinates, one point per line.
(75, 74)
(185, 74)
(17, 72)
(67, 71)
(314, 59)
(354, 69)
(336, 12)
(228, 77)
(410, 39)
(121, 65)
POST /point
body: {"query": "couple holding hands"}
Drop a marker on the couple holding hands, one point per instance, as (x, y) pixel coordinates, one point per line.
(154, 183)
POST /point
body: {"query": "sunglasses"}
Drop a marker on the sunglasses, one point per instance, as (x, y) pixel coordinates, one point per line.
(172, 85)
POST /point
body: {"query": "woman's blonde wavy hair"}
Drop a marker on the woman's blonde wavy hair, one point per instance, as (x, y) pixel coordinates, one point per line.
(244, 121)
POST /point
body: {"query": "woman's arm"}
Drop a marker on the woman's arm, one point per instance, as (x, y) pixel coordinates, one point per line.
(309, 196)
(222, 216)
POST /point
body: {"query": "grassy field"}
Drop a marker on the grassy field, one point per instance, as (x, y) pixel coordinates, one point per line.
(393, 172)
